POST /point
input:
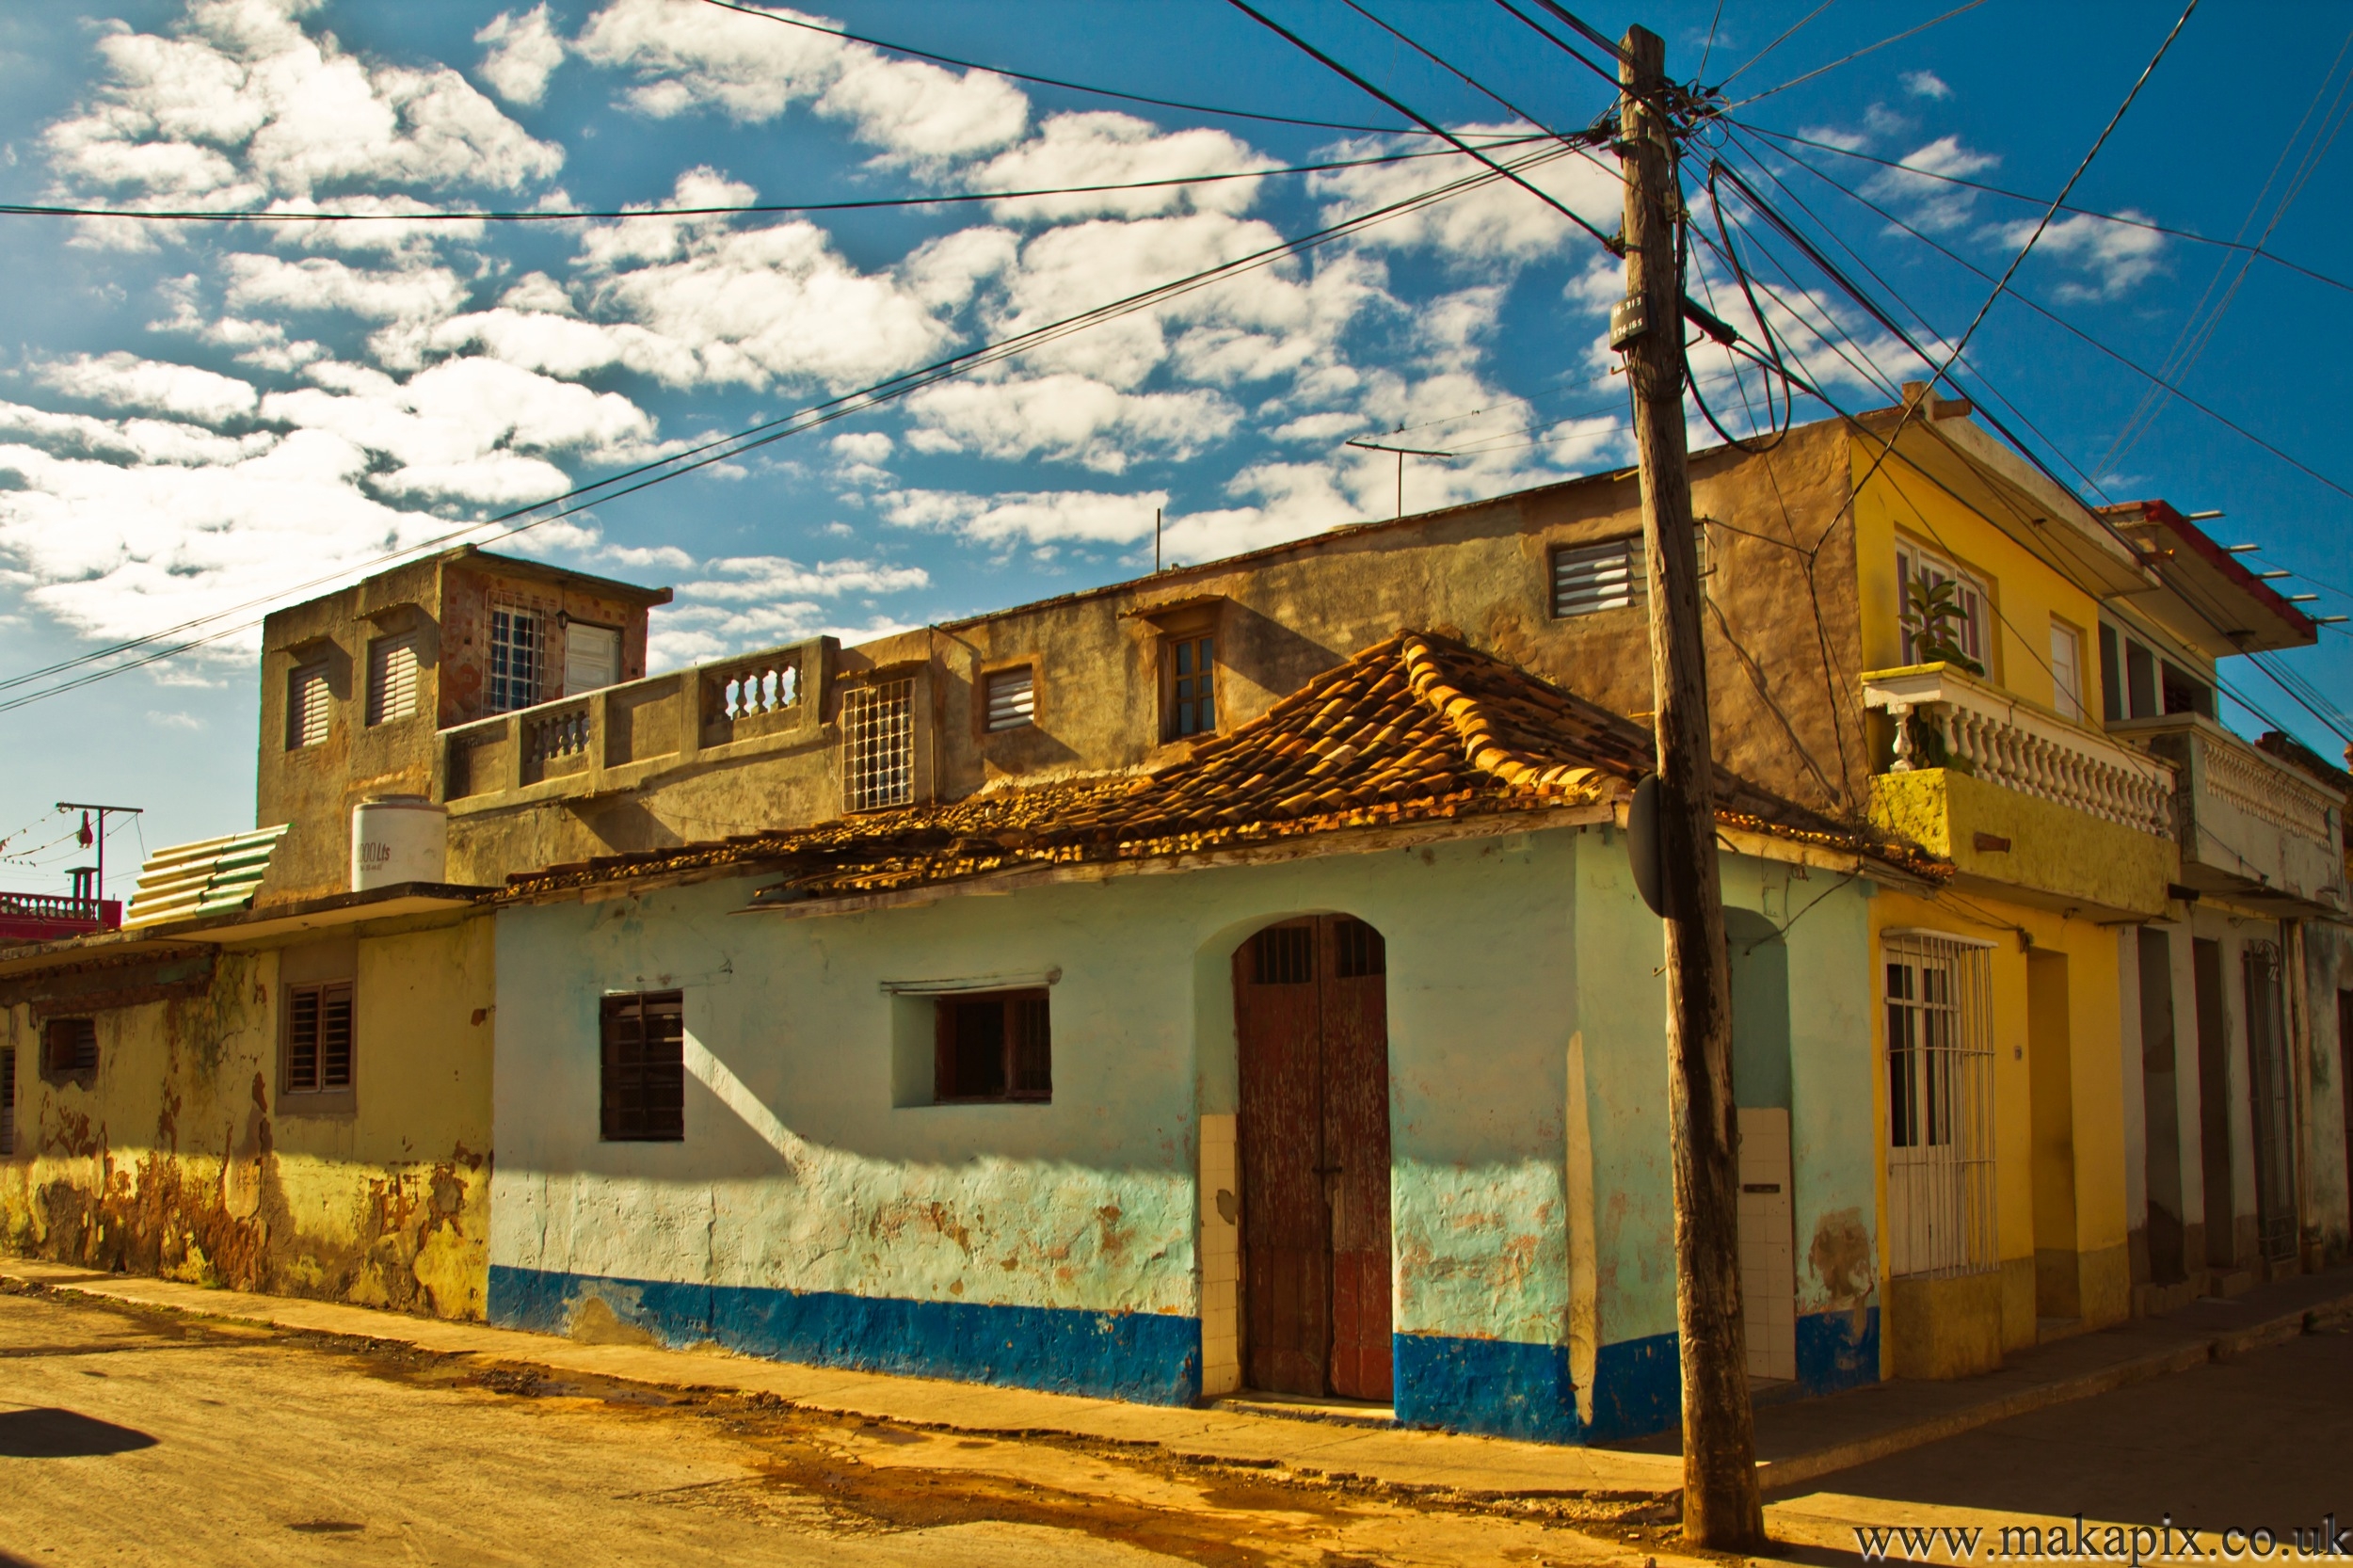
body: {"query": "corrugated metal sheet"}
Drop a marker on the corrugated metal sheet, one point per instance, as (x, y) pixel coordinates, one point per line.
(214, 876)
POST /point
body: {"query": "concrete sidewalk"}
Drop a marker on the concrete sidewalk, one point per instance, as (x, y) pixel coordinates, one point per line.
(1797, 1441)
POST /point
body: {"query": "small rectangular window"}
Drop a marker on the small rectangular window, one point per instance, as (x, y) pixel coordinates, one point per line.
(2183, 692)
(2111, 677)
(318, 1038)
(1284, 956)
(1963, 630)
(1012, 697)
(515, 641)
(643, 1047)
(1189, 687)
(1357, 951)
(392, 678)
(8, 1100)
(1613, 575)
(307, 709)
(994, 1046)
(2067, 688)
(878, 745)
(69, 1048)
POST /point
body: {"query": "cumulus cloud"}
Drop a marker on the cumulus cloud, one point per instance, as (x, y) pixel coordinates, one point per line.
(524, 52)
(1034, 517)
(689, 55)
(1498, 224)
(123, 380)
(1935, 204)
(2115, 258)
(1926, 84)
(1067, 419)
(737, 603)
(239, 103)
(1079, 149)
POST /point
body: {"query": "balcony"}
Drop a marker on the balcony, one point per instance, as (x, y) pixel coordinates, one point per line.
(612, 741)
(45, 917)
(2252, 827)
(2027, 804)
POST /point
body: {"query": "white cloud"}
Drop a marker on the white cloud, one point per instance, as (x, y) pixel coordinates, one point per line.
(1069, 419)
(1926, 84)
(1036, 518)
(318, 283)
(524, 52)
(746, 579)
(1100, 148)
(240, 103)
(1498, 223)
(1936, 204)
(688, 55)
(123, 380)
(863, 446)
(2118, 257)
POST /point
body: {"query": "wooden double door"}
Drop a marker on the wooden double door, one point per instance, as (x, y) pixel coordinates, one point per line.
(1311, 1014)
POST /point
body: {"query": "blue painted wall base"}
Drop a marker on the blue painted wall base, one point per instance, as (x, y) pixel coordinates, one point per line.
(1838, 1350)
(1151, 1358)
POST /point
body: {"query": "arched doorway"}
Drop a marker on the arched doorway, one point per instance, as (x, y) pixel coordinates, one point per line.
(1311, 1017)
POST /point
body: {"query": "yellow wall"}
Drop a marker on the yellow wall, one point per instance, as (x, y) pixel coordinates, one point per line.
(2095, 1067)
(181, 1158)
(2025, 592)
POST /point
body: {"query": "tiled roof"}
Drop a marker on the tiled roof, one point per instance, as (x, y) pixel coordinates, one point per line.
(1416, 729)
(213, 876)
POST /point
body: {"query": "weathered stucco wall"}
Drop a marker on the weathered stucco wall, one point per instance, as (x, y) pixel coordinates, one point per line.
(181, 1158)
(817, 1209)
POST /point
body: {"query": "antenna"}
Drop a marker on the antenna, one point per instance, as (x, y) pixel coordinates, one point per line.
(1402, 453)
(1155, 539)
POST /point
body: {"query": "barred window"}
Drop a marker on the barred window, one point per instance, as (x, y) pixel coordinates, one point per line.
(1611, 575)
(1012, 697)
(1284, 956)
(318, 1038)
(1940, 1103)
(1189, 687)
(69, 1049)
(878, 745)
(306, 707)
(643, 1045)
(392, 678)
(8, 1100)
(517, 637)
(994, 1046)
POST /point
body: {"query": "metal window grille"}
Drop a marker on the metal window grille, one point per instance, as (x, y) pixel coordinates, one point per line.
(1012, 697)
(1940, 1103)
(517, 637)
(996, 1046)
(878, 745)
(1357, 951)
(7, 1101)
(1613, 575)
(318, 1038)
(1192, 687)
(1284, 956)
(307, 709)
(392, 678)
(2273, 1105)
(642, 1046)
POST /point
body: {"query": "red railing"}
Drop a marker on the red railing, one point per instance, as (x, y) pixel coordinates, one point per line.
(39, 917)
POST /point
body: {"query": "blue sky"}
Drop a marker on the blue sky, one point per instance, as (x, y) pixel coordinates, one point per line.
(196, 420)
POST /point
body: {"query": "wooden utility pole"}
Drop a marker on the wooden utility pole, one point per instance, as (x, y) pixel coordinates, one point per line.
(1720, 1508)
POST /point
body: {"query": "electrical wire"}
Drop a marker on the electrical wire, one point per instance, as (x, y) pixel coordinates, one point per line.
(744, 209)
(1053, 81)
(1787, 35)
(2129, 222)
(1844, 59)
(719, 449)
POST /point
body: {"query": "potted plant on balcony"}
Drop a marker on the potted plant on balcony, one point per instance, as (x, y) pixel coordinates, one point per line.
(1934, 617)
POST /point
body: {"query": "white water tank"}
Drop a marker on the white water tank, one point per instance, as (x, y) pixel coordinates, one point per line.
(397, 839)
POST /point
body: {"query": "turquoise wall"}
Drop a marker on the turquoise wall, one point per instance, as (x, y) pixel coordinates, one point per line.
(812, 1212)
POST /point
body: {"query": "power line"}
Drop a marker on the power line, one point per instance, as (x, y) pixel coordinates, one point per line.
(2166, 230)
(718, 449)
(576, 215)
(1055, 81)
(1788, 33)
(1871, 48)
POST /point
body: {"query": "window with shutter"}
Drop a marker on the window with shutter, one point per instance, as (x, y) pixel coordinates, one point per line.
(878, 745)
(592, 658)
(1611, 575)
(1189, 687)
(319, 1038)
(307, 709)
(1011, 696)
(994, 1046)
(392, 678)
(69, 1050)
(643, 1050)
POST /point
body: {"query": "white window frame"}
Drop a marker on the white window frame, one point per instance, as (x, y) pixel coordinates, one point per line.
(1937, 1010)
(1009, 698)
(1915, 564)
(510, 689)
(577, 634)
(1620, 578)
(878, 745)
(2067, 688)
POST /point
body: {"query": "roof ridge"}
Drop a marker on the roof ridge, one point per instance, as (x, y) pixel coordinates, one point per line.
(1476, 728)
